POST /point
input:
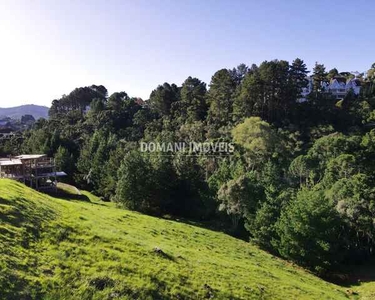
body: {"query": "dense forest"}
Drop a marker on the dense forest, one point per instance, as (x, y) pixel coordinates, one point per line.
(301, 178)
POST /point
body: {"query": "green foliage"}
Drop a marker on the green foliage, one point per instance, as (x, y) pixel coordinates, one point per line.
(158, 184)
(162, 98)
(228, 169)
(64, 160)
(342, 166)
(300, 168)
(220, 98)
(263, 225)
(309, 231)
(77, 100)
(239, 73)
(193, 101)
(254, 135)
(94, 159)
(135, 186)
(329, 147)
(319, 77)
(258, 138)
(332, 73)
(248, 96)
(42, 141)
(268, 92)
(240, 197)
(354, 197)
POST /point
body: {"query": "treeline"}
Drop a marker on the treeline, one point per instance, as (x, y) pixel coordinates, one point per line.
(301, 179)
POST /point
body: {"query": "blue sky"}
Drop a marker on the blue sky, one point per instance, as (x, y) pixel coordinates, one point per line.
(50, 47)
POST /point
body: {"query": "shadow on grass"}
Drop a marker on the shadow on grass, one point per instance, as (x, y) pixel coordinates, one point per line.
(213, 225)
(23, 214)
(164, 255)
(62, 194)
(354, 275)
(22, 224)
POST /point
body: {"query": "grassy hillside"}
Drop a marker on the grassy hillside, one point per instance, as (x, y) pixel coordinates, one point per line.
(63, 249)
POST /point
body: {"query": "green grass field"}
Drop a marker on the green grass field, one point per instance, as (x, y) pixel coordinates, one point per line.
(54, 248)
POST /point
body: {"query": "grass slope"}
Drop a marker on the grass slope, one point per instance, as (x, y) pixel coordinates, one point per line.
(59, 249)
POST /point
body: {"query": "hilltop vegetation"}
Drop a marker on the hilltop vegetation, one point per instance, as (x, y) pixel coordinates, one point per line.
(54, 248)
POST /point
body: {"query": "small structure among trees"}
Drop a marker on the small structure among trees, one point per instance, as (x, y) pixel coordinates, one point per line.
(35, 170)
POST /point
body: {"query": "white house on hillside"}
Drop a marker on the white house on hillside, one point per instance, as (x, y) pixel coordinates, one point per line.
(338, 87)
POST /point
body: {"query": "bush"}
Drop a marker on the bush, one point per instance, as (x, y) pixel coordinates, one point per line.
(309, 230)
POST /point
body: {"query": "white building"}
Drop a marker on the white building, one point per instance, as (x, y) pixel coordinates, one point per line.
(338, 87)
(306, 90)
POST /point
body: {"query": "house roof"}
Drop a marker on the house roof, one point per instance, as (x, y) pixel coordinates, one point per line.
(10, 162)
(340, 79)
(30, 156)
(52, 174)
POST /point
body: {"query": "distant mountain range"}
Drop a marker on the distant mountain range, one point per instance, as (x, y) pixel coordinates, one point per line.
(17, 112)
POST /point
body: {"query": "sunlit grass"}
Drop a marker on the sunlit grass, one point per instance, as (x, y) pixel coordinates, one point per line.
(62, 249)
(67, 188)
